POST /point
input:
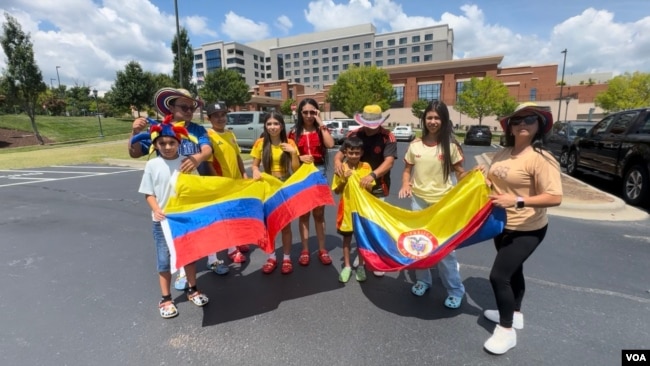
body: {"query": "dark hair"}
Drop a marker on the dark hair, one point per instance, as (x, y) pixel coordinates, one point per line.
(538, 140)
(352, 142)
(444, 138)
(300, 126)
(267, 155)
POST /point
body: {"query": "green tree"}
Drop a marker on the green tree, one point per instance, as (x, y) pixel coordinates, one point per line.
(187, 59)
(132, 88)
(24, 79)
(361, 86)
(285, 108)
(54, 105)
(418, 107)
(625, 91)
(482, 97)
(225, 85)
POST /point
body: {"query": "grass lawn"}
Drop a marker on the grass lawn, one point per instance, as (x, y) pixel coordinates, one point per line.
(76, 141)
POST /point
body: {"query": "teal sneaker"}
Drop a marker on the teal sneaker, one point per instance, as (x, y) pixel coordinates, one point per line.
(345, 274)
(360, 274)
(181, 283)
(219, 268)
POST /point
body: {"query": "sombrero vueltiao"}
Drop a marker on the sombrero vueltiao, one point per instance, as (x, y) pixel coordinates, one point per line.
(164, 96)
(525, 109)
(371, 117)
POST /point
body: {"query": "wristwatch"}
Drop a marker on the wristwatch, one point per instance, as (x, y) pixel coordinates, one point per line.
(520, 203)
(373, 175)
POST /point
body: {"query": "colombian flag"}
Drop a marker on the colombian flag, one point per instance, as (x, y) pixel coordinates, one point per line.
(305, 190)
(391, 239)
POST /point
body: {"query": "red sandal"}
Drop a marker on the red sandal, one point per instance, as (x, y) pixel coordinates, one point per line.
(269, 266)
(287, 267)
(324, 257)
(304, 258)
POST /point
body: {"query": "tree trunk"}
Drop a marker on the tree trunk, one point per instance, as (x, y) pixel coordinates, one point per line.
(32, 118)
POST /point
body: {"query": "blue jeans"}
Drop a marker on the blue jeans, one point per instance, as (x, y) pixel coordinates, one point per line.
(448, 267)
(162, 251)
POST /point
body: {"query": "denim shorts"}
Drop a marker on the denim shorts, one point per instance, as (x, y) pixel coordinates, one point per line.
(162, 251)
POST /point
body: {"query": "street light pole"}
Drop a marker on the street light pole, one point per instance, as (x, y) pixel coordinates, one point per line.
(178, 46)
(567, 108)
(51, 80)
(559, 108)
(101, 132)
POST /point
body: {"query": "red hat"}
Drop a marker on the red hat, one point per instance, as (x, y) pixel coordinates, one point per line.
(526, 109)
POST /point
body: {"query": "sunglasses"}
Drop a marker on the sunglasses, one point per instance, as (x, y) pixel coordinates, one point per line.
(185, 108)
(309, 113)
(528, 120)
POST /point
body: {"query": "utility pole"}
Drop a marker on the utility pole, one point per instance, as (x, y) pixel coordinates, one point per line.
(559, 107)
(178, 46)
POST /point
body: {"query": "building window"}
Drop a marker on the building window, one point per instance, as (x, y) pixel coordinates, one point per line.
(326, 77)
(325, 51)
(213, 60)
(287, 73)
(306, 79)
(379, 63)
(335, 67)
(346, 57)
(297, 72)
(415, 39)
(305, 53)
(296, 64)
(200, 74)
(345, 48)
(305, 71)
(399, 93)
(257, 74)
(314, 61)
(296, 55)
(346, 66)
(429, 92)
(391, 42)
(199, 65)
(390, 61)
(326, 69)
(198, 56)
(415, 49)
(379, 53)
(335, 59)
(326, 60)
(297, 80)
(428, 47)
(356, 47)
(391, 52)
(268, 76)
(367, 63)
(402, 51)
(533, 94)
(315, 70)
(305, 62)
(428, 58)
(402, 60)
(459, 88)
(315, 79)
(335, 50)
(274, 94)
(335, 76)
(415, 58)
(356, 64)
(367, 45)
(314, 52)
(403, 40)
(428, 37)
(286, 56)
(287, 64)
(356, 56)
(367, 54)
(379, 44)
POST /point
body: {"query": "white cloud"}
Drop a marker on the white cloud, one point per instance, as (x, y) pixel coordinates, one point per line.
(284, 24)
(198, 25)
(243, 29)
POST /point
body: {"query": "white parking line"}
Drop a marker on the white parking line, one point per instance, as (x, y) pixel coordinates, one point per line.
(41, 180)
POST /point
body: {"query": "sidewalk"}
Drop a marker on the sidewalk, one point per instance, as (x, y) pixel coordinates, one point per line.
(580, 200)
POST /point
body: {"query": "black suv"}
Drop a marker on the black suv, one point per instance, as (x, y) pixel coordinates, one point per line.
(561, 137)
(478, 135)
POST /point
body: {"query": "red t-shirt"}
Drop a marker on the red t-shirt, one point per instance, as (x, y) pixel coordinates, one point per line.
(309, 144)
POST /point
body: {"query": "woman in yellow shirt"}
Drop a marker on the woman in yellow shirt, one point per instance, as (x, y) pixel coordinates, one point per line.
(278, 155)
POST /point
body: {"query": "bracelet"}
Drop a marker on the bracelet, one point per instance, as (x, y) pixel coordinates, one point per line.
(373, 175)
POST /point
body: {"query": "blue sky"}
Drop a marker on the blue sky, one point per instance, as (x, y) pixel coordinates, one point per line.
(92, 39)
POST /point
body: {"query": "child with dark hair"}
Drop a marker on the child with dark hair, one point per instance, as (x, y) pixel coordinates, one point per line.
(278, 155)
(352, 149)
(166, 139)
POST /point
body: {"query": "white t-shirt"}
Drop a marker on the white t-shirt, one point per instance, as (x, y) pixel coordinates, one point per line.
(156, 177)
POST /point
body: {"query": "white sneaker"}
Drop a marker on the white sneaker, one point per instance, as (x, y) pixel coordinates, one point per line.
(501, 341)
(517, 318)
(378, 273)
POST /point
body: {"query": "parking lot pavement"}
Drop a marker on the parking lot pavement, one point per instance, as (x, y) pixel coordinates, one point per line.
(10, 177)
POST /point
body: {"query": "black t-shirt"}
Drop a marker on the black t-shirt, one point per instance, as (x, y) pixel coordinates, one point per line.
(375, 149)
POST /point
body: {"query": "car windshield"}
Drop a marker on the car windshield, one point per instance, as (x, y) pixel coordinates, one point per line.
(573, 129)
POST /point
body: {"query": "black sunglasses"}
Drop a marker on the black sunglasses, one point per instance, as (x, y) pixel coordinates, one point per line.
(528, 120)
(312, 112)
(185, 108)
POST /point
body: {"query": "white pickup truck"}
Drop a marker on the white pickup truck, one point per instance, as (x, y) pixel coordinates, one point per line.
(247, 126)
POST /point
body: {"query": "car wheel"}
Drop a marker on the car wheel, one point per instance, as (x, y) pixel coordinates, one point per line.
(572, 164)
(564, 157)
(636, 186)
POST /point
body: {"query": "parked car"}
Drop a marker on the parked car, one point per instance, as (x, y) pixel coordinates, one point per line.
(560, 138)
(478, 135)
(247, 126)
(352, 124)
(618, 146)
(404, 133)
(338, 129)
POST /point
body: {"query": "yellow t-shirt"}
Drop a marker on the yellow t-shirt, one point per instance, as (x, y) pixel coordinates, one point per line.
(224, 153)
(427, 173)
(344, 214)
(276, 154)
(527, 174)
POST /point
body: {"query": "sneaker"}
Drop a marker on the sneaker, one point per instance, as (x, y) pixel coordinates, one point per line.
(237, 257)
(517, 318)
(360, 273)
(345, 274)
(501, 341)
(378, 273)
(181, 283)
(219, 268)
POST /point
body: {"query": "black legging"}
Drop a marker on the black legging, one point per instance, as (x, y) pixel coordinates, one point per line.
(507, 276)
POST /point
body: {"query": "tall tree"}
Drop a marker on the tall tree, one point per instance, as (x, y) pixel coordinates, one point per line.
(24, 79)
(418, 107)
(132, 88)
(187, 59)
(625, 91)
(225, 85)
(482, 97)
(361, 86)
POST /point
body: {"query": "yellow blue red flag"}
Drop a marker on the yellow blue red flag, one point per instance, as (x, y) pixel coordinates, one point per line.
(391, 238)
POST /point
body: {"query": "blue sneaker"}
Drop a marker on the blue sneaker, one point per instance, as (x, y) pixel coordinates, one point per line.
(219, 268)
(181, 283)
